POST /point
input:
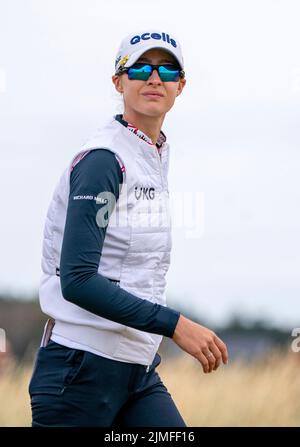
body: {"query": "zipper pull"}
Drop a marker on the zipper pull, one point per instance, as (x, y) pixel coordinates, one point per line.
(147, 369)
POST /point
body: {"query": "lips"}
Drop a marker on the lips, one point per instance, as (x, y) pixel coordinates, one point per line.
(153, 94)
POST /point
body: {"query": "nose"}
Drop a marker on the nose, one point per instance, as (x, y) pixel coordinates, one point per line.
(154, 78)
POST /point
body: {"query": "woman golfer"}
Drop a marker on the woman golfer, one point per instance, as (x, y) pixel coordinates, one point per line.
(106, 252)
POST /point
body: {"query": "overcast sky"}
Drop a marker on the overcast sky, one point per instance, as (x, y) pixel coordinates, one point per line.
(234, 136)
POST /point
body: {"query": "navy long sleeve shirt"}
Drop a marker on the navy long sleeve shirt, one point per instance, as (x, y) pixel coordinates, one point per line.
(83, 239)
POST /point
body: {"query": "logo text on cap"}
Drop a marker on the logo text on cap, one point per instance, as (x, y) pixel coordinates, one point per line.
(147, 36)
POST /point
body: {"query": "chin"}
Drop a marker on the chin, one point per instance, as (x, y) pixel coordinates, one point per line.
(154, 112)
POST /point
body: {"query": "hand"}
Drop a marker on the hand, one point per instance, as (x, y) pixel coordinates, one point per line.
(201, 343)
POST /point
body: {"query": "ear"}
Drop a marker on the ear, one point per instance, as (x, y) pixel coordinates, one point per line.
(117, 81)
(181, 85)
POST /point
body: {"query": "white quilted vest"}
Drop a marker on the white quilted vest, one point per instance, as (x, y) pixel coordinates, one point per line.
(136, 249)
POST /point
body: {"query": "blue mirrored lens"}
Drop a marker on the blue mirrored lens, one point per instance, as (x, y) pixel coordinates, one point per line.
(168, 73)
(140, 72)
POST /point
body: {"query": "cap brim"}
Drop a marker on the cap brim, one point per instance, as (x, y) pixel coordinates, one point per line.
(134, 57)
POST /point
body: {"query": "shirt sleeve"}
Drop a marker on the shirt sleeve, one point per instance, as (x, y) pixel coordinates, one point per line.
(96, 175)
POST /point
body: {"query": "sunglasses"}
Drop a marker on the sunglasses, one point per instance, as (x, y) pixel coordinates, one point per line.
(143, 71)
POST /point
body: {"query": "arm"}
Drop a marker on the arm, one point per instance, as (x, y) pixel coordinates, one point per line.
(81, 283)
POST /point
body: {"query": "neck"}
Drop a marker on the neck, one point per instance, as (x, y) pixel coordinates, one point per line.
(150, 125)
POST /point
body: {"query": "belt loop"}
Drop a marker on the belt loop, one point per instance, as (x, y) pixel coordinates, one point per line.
(47, 332)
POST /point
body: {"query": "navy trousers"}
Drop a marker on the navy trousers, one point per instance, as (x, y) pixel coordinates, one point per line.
(75, 388)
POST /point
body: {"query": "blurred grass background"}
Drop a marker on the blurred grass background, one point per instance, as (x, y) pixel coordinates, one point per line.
(259, 387)
(262, 392)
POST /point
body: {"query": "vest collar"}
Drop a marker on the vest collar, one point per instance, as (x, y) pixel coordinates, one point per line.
(132, 128)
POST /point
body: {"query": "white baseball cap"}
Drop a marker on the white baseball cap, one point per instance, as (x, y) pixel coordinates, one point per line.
(135, 44)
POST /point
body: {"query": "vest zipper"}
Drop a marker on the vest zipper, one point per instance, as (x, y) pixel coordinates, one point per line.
(160, 165)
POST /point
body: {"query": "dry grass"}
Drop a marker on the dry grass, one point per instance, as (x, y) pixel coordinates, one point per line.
(262, 393)
(15, 403)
